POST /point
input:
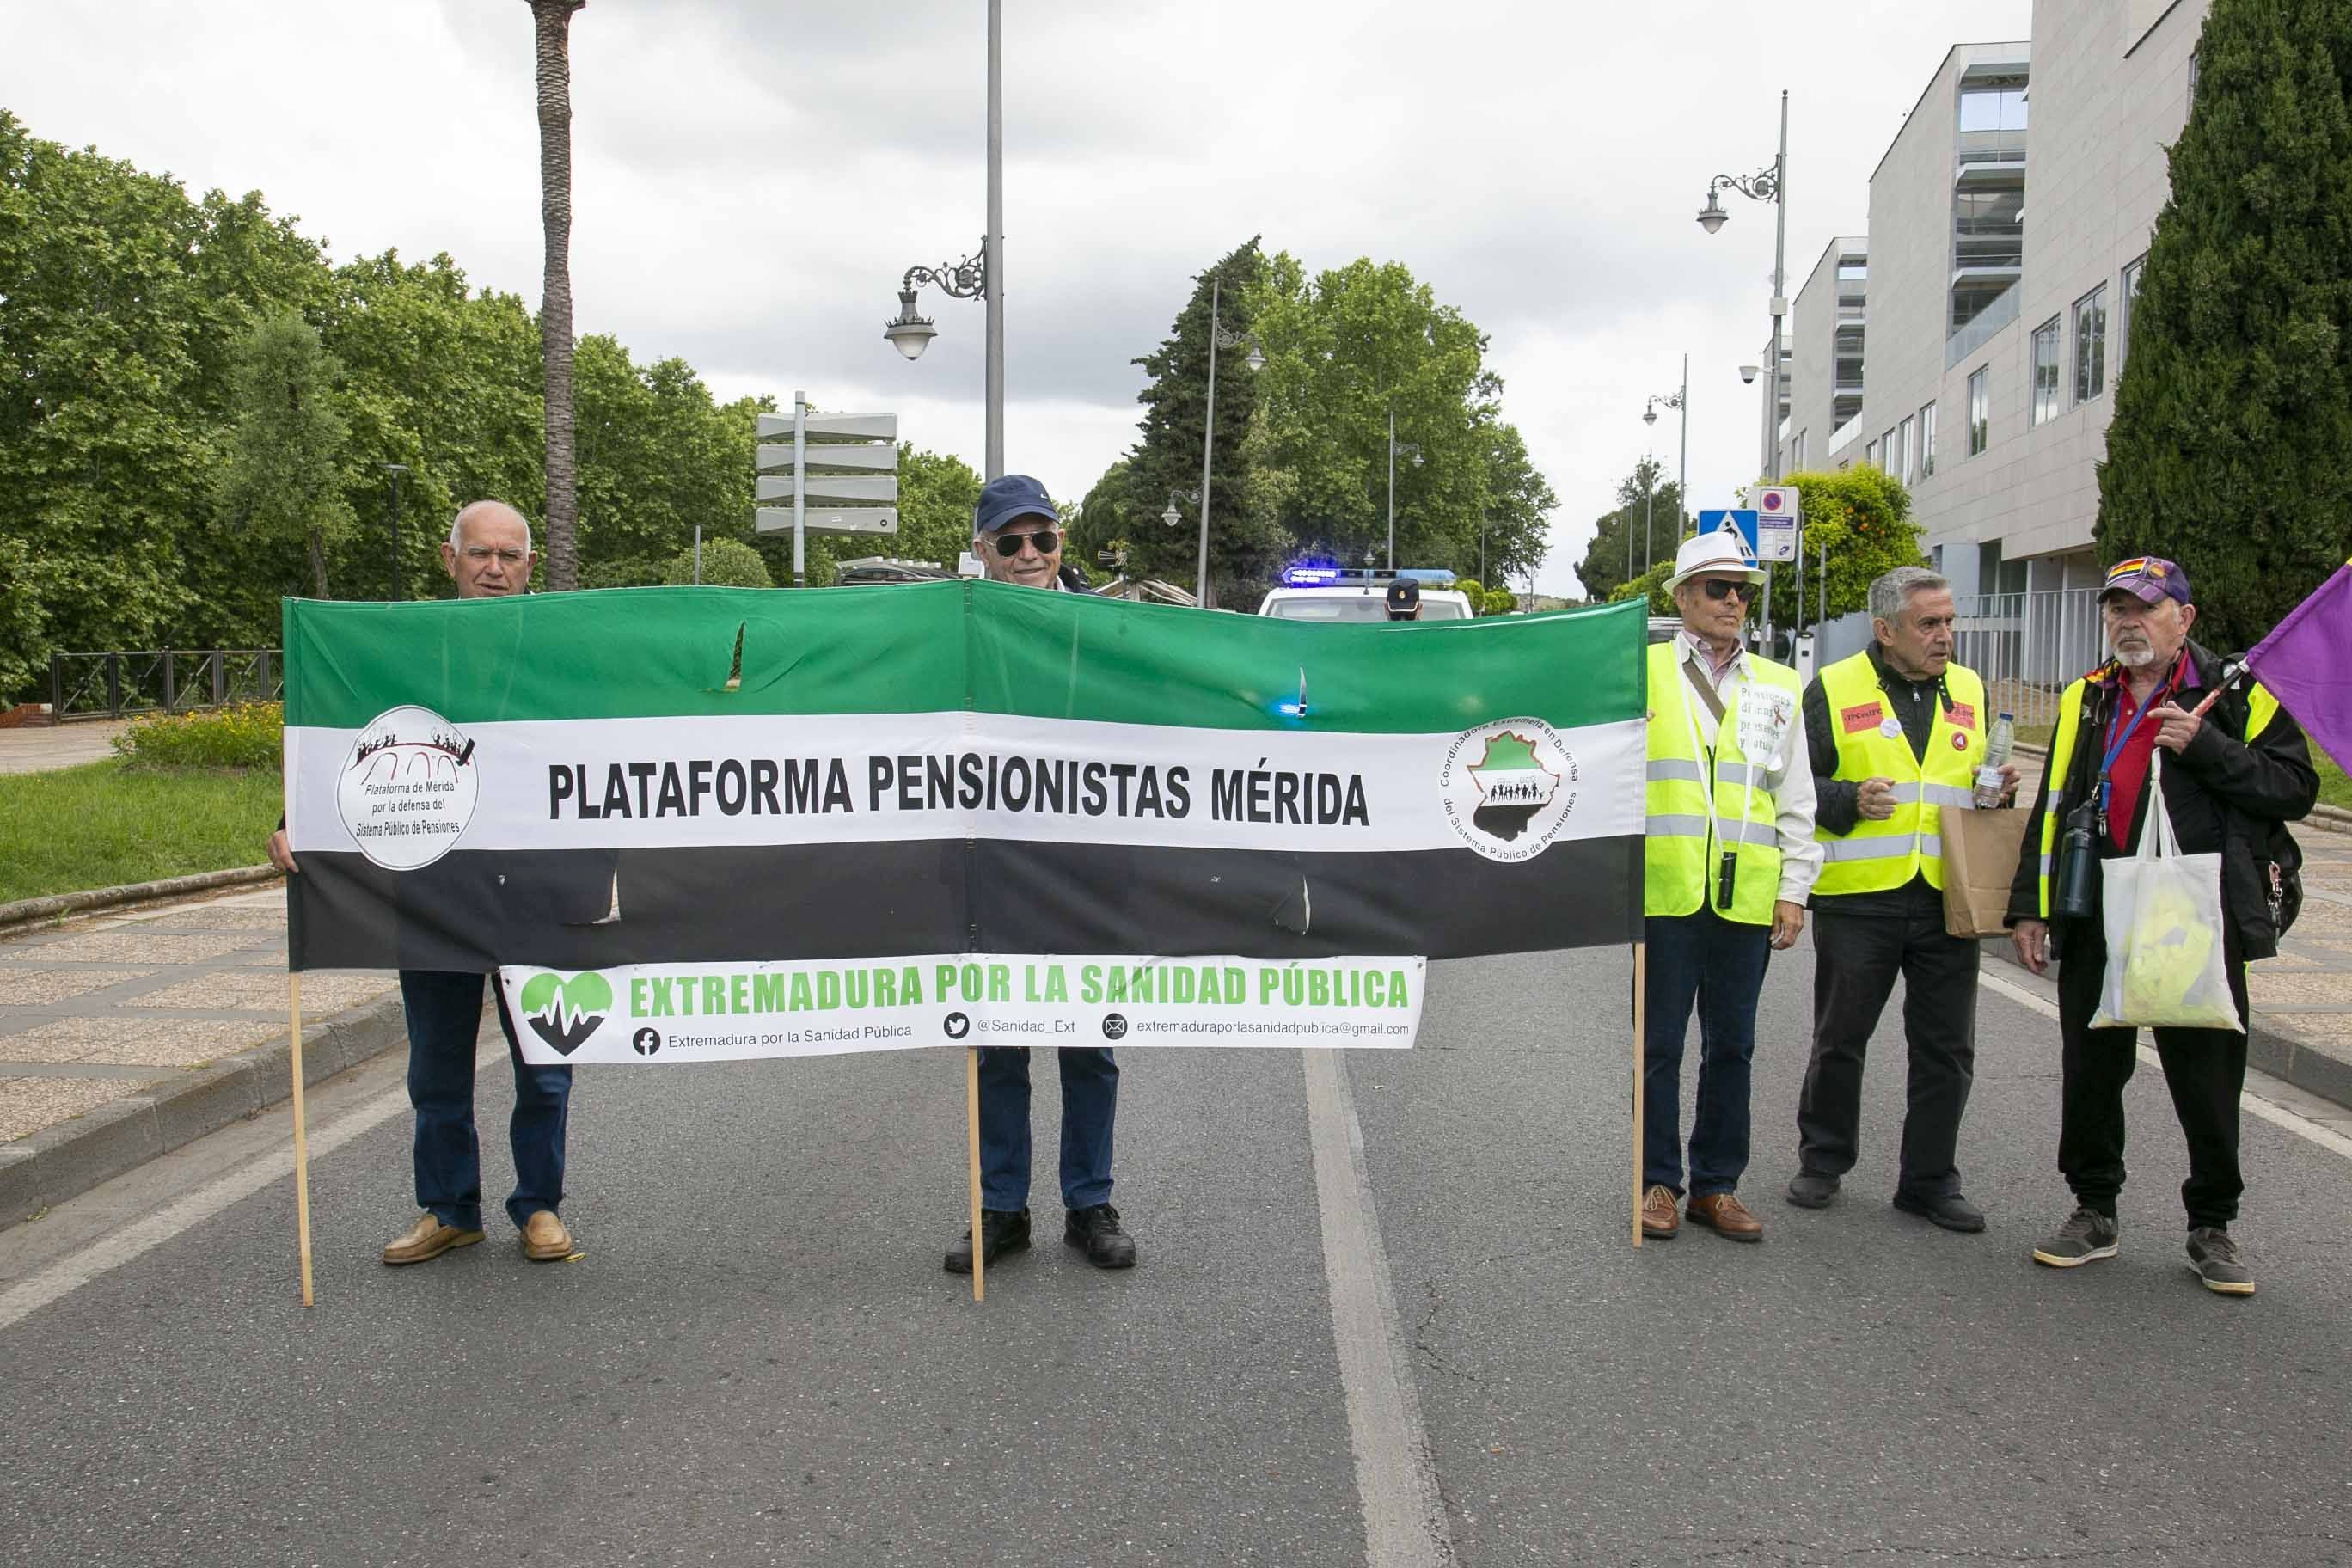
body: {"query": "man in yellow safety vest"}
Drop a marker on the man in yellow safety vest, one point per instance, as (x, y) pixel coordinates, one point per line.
(1728, 858)
(1897, 734)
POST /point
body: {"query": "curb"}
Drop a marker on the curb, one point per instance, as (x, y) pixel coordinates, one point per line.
(48, 1167)
(2324, 818)
(26, 912)
(2280, 1055)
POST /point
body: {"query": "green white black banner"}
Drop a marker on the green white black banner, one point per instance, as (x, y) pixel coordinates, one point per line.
(672, 1011)
(654, 783)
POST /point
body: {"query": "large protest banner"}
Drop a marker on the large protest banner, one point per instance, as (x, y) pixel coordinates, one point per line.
(695, 824)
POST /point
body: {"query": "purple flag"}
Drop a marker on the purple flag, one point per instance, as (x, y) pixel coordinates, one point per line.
(2306, 663)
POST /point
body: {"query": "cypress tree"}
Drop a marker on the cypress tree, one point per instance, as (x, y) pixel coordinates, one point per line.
(2231, 451)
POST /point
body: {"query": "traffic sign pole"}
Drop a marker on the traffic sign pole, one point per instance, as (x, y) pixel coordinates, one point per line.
(800, 489)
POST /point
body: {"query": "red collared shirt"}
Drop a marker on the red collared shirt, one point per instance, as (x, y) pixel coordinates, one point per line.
(2128, 772)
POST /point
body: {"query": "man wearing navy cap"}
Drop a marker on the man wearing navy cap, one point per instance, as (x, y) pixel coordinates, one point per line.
(1016, 534)
(2235, 770)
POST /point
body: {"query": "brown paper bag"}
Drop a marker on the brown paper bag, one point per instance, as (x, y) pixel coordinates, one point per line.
(1980, 850)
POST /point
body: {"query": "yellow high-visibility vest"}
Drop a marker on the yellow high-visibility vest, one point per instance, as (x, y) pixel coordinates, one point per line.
(1681, 853)
(1878, 855)
(2261, 708)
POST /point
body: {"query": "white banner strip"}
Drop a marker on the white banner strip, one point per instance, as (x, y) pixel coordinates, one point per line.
(655, 1013)
(411, 786)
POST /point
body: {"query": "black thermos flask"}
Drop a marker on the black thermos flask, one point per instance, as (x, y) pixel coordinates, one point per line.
(2078, 864)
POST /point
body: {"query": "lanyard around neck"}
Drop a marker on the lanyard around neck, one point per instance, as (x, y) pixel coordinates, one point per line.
(1707, 787)
(2122, 733)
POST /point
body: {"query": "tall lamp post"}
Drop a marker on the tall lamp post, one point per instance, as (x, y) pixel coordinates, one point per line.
(1410, 450)
(1769, 183)
(978, 277)
(1218, 339)
(395, 472)
(1679, 401)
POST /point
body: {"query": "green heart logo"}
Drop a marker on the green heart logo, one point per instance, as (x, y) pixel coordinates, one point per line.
(562, 1012)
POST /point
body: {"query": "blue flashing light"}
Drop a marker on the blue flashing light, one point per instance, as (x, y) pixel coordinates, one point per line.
(1310, 576)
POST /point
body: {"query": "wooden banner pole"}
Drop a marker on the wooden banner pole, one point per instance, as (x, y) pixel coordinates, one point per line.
(971, 1119)
(302, 1142)
(1641, 978)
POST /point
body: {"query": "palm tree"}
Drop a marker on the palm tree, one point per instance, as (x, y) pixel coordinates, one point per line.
(553, 20)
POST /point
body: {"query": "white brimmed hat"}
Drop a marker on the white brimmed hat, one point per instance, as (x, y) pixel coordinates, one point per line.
(1716, 552)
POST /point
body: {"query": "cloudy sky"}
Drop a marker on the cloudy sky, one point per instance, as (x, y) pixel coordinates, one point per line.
(751, 176)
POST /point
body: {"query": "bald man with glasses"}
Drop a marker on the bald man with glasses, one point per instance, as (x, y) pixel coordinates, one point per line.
(1016, 534)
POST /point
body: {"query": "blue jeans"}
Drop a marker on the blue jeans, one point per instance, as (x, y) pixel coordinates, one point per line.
(1089, 1107)
(444, 1015)
(1717, 963)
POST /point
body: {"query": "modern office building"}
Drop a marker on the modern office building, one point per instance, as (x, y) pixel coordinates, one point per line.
(2007, 223)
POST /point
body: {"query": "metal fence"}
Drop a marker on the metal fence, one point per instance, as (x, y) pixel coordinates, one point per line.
(2027, 647)
(160, 680)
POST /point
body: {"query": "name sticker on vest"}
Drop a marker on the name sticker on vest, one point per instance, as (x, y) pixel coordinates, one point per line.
(1963, 715)
(1863, 716)
(1891, 728)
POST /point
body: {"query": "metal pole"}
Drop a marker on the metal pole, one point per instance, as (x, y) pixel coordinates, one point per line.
(697, 556)
(1682, 478)
(399, 589)
(1392, 487)
(800, 493)
(1208, 446)
(994, 261)
(1780, 283)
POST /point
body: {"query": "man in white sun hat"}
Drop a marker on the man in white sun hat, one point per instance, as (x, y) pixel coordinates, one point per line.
(1728, 860)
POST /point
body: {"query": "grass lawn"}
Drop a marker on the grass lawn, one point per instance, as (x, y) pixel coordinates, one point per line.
(103, 824)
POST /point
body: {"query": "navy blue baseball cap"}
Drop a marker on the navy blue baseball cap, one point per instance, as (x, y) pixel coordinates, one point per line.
(1012, 495)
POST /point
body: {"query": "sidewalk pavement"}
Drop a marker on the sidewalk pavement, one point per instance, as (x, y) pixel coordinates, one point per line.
(34, 748)
(126, 1034)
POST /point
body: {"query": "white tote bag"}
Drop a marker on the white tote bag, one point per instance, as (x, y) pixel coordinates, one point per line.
(2163, 911)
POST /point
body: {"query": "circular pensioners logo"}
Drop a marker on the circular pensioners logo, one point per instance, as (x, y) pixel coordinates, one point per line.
(1509, 786)
(408, 788)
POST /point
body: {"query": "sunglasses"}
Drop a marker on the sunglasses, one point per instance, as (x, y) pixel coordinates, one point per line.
(1720, 588)
(1009, 545)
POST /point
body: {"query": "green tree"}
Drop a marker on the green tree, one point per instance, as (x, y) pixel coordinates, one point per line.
(1346, 351)
(725, 563)
(2231, 450)
(1861, 515)
(937, 493)
(282, 482)
(1642, 502)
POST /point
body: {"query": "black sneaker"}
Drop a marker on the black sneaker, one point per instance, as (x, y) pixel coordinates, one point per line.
(1811, 1189)
(2215, 1258)
(1005, 1230)
(1949, 1210)
(2087, 1236)
(1097, 1231)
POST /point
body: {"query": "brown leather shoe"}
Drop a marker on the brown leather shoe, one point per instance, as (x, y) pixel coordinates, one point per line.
(544, 1239)
(1658, 1216)
(1723, 1213)
(429, 1237)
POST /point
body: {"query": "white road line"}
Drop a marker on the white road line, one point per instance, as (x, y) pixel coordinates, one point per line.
(2303, 1127)
(1396, 1481)
(113, 1251)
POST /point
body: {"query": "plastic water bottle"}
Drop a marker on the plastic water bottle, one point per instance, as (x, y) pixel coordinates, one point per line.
(1997, 750)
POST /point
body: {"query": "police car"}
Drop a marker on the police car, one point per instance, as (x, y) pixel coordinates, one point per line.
(1310, 592)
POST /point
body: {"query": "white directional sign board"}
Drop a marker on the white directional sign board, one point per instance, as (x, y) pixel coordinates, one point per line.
(1777, 515)
(801, 458)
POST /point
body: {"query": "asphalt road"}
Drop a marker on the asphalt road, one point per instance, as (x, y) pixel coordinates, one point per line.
(759, 1360)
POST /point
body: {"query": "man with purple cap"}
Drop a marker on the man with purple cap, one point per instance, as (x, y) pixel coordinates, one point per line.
(2238, 770)
(1016, 534)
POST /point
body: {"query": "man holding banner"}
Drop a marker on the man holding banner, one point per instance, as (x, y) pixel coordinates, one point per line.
(488, 555)
(1728, 863)
(1016, 534)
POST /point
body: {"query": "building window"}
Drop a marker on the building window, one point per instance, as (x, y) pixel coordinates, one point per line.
(2043, 403)
(1870, 454)
(1797, 451)
(2091, 344)
(1892, 454)
(1908, 452)
(2131, 270)
(1979, 412)
(1926, 440)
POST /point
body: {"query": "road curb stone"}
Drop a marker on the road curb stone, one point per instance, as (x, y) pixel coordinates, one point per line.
(31, 911)
(48, 1167)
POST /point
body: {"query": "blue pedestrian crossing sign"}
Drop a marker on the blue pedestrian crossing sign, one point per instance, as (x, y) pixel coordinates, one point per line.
(1740, 524)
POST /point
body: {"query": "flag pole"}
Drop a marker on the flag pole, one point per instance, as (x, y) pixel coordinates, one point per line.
(1641, 977)
(971, 1120)
(301, 1144)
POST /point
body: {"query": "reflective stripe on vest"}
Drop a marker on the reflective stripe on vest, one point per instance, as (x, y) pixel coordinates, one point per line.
(1680, 861)
(1876, 856)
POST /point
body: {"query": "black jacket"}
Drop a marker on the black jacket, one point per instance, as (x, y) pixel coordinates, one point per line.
(1836, 800)
(2224, 794)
